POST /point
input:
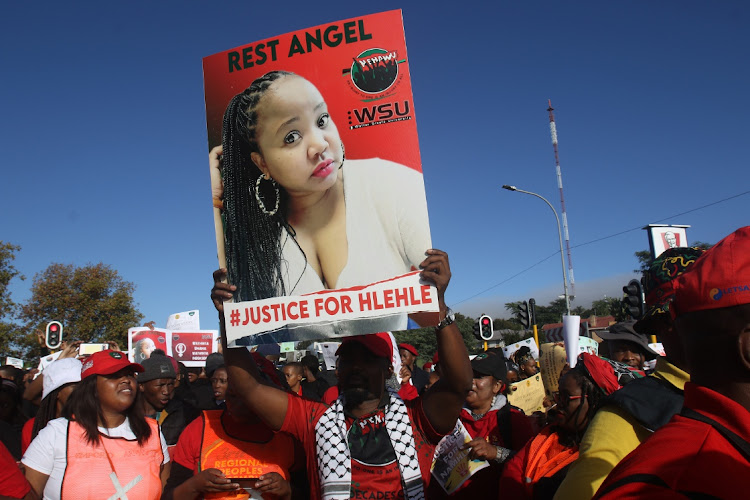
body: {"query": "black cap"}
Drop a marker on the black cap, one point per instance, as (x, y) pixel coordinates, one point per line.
(213, 361)
(156, 367)
(490, 364)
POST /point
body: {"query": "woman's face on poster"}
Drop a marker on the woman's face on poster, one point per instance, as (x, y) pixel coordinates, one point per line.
(299, 144)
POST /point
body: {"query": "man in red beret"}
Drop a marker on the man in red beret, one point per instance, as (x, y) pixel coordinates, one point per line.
(369, 443)
(704, 451)
(419, 377)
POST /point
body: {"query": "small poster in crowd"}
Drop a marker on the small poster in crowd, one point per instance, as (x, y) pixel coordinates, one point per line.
(17, 362)
(192, 348)
(329, 354)
(553, 357)
(342, 93)
(142, 341)
(529, 342)
(528, 394)
(188, 321)
(451, 466)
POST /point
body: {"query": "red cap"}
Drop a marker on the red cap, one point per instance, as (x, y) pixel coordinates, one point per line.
(106, 363)
(409, 348)
(719, 278)
(377, 343)
(435, 358)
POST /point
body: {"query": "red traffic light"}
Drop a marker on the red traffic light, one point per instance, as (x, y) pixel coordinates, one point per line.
(485, 321)
(53, 327)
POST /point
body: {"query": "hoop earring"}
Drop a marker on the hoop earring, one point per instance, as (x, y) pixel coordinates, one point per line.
(259, 199)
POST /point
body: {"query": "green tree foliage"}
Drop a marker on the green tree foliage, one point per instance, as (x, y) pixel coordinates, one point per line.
(93, 303)
(426, 343)
(8, 308)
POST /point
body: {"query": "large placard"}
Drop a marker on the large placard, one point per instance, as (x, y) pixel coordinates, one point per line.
(318, 183)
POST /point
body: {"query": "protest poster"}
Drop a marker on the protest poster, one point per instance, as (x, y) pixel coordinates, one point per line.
(192, 348)
(451, 466)
(553, 358)
(528, 394)
(529, 342)
(188, 321)
(47, 360)
(345, 122)
(143, 340)
(17, 362)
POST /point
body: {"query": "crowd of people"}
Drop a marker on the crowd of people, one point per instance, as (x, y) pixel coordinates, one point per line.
(627, 423)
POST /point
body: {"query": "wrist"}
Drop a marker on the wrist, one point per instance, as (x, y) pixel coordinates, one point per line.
(502, 454)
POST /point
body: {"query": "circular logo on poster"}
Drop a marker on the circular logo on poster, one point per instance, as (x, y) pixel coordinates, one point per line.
(374, 70)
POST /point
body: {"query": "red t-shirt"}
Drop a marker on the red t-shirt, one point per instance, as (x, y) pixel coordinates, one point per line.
(687, 455)
(28, 427)
(12, 482)
(375, 471)
(407, 393)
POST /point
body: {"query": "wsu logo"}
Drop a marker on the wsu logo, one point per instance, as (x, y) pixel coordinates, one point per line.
(374, 70)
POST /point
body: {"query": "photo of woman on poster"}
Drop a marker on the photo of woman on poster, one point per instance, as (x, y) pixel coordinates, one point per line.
(299, 216)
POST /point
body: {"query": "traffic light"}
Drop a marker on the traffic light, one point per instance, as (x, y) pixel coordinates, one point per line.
(477, 330)
(532, 311)
(485, 327)
(523, 314)
(633, 299)
(53, 337)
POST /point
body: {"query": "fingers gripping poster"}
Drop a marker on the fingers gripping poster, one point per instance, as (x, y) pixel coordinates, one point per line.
(316, 180)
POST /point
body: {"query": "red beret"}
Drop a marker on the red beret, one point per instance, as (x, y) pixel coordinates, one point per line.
(409, 348)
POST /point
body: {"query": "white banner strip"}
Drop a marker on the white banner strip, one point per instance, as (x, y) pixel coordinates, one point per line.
(290, 315)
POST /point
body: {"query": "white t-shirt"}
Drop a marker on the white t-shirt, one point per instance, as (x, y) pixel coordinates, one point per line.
(47, 452)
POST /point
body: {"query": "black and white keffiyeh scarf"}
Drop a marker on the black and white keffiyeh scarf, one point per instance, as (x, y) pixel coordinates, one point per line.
(334, 456)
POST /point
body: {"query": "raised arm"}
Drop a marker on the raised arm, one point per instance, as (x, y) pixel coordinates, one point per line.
(443, 401)
(269, 403)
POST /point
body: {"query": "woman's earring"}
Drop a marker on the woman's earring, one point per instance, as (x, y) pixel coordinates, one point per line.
(259, 198)
(343, 155)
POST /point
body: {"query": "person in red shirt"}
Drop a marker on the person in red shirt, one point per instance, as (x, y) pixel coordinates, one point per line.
(370, 443)
(227, 450)
(704, 451)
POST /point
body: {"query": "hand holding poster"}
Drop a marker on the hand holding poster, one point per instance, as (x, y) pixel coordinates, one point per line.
(316, 171)
(451, 466)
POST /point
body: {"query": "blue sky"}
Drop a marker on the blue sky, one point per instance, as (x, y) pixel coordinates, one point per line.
(104, 138)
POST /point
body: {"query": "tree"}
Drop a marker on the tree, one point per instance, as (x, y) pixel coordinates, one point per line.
(8, 308)
(93, 303)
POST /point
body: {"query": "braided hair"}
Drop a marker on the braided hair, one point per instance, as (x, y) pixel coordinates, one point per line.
(253, 243)
(591, 393)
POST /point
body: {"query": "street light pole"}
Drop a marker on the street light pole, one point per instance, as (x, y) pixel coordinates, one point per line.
(559, 233)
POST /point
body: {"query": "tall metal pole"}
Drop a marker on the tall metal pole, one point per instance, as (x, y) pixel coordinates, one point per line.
(553, 133)
(559, 233)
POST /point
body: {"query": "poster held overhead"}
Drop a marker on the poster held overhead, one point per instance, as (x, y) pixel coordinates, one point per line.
(571, 329)
(324, 113)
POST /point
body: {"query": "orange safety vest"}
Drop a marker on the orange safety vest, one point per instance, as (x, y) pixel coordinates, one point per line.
(239, 459)
(89, 475)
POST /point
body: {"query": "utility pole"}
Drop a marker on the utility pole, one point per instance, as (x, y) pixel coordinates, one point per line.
(553, 133)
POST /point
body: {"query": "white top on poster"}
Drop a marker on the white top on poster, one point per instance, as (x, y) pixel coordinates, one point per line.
(184, 321)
